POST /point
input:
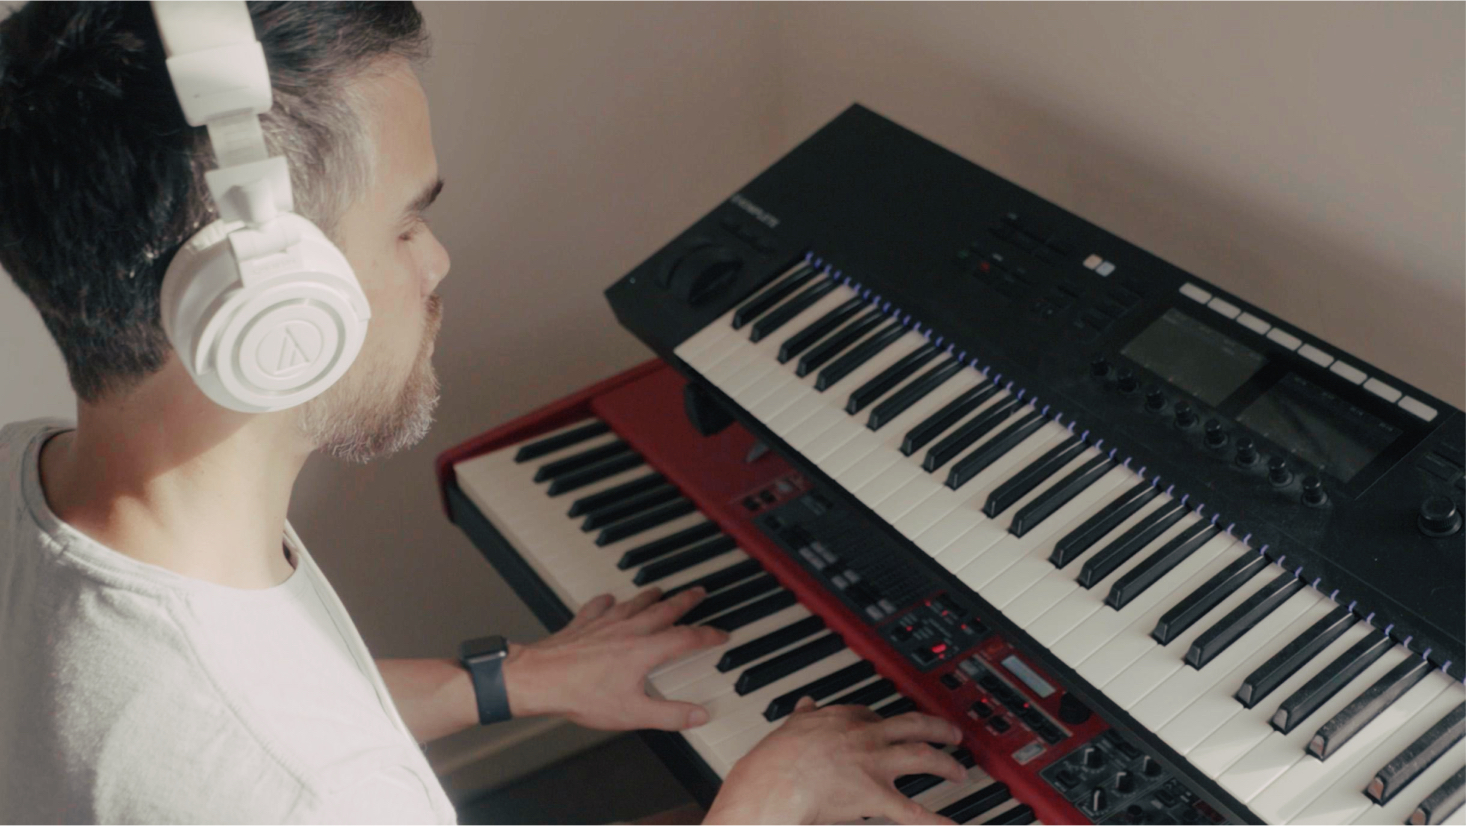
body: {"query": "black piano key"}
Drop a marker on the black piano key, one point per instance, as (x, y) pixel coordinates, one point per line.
(1284, 664)
(596, 501)
(950, 414)
(867, 695)
(760, 304)
(645, 521)
(1129, 543)
(1440, 803)
(912, 785)
(993, 449)
(789, 309)
(1041, 507)
(754, 611)
(901, 706)
(1362, 710)
(581, 460)
(918, 389)
(629, 506)
(1032, 475)
(858, 355)
(718, 580)
(952, 445)
(559, 441)
(1017, 814)
(1325, 684)
(975, 804)
(769, 643)
(657, 548)
(1241, 619)
(1160, 563)
(1199, 602)
(1418, 756)
(1076, 542)
(682, 560)
(783, 705)
(730, 598)
(595, 473)
(823, 326)
(886, 380)
(777, 668)
(836, 344)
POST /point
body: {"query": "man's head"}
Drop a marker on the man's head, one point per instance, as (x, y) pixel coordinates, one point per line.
(101, 181)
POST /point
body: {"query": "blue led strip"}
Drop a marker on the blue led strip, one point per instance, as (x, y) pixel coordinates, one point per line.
(905, 319)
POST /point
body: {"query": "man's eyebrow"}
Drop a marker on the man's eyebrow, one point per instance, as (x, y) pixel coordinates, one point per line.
(424, 199)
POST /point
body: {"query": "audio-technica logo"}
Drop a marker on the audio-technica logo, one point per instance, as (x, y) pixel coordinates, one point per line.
(289, 349)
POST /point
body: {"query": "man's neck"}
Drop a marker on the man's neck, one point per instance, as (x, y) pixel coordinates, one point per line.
(171, 480)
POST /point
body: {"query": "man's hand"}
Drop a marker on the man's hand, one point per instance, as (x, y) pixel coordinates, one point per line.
(835, 765)
(593, 671)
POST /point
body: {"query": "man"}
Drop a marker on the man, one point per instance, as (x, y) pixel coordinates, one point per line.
(171, 652)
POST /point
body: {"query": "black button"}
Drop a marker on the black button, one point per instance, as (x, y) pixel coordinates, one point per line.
(750, 503)
(982, 709)
(951, 681)
(999, 725)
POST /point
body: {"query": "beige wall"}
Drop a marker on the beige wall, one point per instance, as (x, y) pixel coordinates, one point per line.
(1307, 157)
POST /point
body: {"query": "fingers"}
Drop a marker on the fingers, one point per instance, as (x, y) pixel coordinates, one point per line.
(897, 808)
(591, 611)
(917, 727)
(919, 758)
(635, 605)
(663, 614)
(805, 704)
(675, 642)
(669, 715)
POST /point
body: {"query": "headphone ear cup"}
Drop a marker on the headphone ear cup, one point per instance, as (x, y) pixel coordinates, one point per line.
(273, 336)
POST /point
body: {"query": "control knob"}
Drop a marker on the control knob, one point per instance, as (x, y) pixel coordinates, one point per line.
(1100, 367)
(1098, 800)
(1092, 758)
(1185, 416)
(1150, 767)
(1155, 400)
(1438, 517)
(1124, 782)
(1246, 452)
(1278, 472)
(1216, 437)
(702, 272)
(1072, 711)
(1127, 384)
(1313, 495)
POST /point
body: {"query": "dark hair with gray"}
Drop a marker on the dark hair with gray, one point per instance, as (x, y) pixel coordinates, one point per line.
(102, 180)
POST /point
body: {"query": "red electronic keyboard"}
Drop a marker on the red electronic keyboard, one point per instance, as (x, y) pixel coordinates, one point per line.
(613, 490)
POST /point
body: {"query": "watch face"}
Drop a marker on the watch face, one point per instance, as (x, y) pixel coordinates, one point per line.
(482, 647)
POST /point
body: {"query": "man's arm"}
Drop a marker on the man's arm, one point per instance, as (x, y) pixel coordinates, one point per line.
(592, 671)
(434, 697)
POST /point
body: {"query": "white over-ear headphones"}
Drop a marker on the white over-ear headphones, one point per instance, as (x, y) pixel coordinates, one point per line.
(263, 310)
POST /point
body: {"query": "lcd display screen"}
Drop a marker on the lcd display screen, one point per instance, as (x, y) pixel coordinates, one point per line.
(1319, 427)
(1194, 357)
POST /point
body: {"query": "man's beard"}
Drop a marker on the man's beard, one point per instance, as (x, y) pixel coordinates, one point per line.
(364, 419)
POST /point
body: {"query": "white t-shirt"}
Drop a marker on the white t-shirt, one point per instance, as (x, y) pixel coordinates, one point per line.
(129, 693)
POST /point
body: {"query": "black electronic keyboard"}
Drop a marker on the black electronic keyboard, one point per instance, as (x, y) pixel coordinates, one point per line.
(1239, 544)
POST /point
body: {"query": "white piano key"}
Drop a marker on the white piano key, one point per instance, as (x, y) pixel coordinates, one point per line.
(1111, 641)
(1153, 667)
(786, 420)
(772, 394)
(1079, 607)
(1243, 731)
(1009, 589)
(1276, 753)
(889, 438)
(712, 682)
(1399, 724)
(680, 672)
(728, 712)
(733, 748)
(1169, 698)
(1218, 703)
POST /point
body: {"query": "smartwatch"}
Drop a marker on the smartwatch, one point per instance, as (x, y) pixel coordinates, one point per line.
(484, 659)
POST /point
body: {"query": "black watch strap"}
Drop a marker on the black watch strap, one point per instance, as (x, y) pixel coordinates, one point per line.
(484, 659)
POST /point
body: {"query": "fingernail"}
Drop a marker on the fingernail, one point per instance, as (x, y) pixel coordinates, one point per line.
(697, 718)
